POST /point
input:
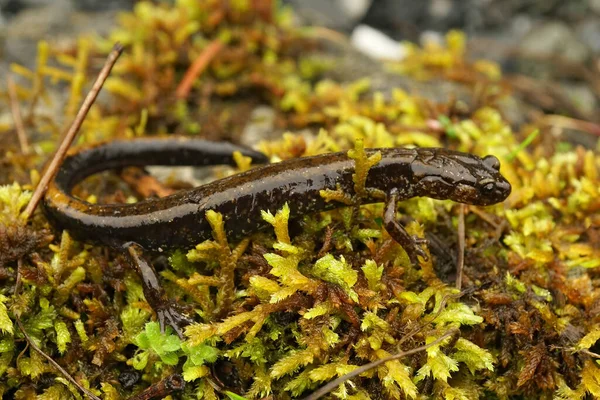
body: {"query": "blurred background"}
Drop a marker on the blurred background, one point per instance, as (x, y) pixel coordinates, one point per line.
(569, 29)
(550, 40)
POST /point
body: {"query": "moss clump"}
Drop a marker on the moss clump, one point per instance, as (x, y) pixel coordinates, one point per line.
(284, 311)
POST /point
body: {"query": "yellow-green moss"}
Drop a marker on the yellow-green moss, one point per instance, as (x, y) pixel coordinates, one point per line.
(290, 312)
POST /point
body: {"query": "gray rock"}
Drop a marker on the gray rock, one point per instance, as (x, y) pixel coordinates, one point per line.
(335, 14)
(588, 32)
(261, 126)
(582, 96)
(554, 38)
(103, 5)
(8, 7)
(58, 22)
(399, 19)
(351, 64)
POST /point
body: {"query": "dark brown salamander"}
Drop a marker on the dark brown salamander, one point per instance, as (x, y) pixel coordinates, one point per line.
(178, 221)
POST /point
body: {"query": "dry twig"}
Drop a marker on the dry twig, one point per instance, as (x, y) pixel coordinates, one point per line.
(143, 184)
(197, 67)
(562, 121)
(40, 351)
(333, 384)
(41, 188)
(16, 114)
(73, 130)
(170, 384)
(460, 259)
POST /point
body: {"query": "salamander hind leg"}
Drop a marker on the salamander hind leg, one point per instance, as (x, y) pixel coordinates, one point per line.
(411, 244)
(167, 310)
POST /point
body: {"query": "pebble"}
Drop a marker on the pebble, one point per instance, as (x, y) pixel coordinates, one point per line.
(588, 32)
(376, 44)
(554, 38)
(569, 29)
(340, 15)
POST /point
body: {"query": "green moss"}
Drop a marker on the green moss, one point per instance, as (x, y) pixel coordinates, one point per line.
(153, 343)
(289, 312)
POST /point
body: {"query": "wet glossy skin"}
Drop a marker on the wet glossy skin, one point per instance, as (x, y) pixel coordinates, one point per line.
(178, 221)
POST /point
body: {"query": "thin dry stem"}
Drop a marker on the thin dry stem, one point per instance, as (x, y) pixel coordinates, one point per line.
(590, 353)
(73, 130)
(170, 384)
(562, 121)
(432, 318)
(41, 188)
(333, 384)
(484, 216)
(197, 67)
(16, 114)
(460, 263)
(40, 351)
(328, 34)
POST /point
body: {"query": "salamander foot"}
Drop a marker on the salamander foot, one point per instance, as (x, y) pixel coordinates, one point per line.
(168, 313)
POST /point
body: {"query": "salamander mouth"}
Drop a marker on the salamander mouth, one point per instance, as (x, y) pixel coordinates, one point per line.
(502, 191)
(482, 196)
(485, 195)
(483, 192)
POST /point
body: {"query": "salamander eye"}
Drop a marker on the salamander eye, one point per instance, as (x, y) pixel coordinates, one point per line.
(488, 188)
(492, 162)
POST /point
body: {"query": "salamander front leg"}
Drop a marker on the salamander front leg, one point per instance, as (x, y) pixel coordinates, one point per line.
(165, 308)
(411, 244)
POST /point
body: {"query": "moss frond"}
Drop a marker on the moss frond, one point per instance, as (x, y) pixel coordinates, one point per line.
(337, 195)
(6, 325)
(293, 308)
(438, 365)
(473, 356)
(337, 272)
(12, 200)
(279, 221)
(396, 375)
(590, 378)
(362, 164)
(292, 362)
(220, 250)
(373, 274)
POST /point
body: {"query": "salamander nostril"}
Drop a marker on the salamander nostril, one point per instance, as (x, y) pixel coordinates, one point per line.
(504, 188)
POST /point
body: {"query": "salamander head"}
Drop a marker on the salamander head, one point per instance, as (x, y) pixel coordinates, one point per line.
(460, 177)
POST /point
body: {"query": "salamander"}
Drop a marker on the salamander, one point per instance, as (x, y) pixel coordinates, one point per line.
(178, 221)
